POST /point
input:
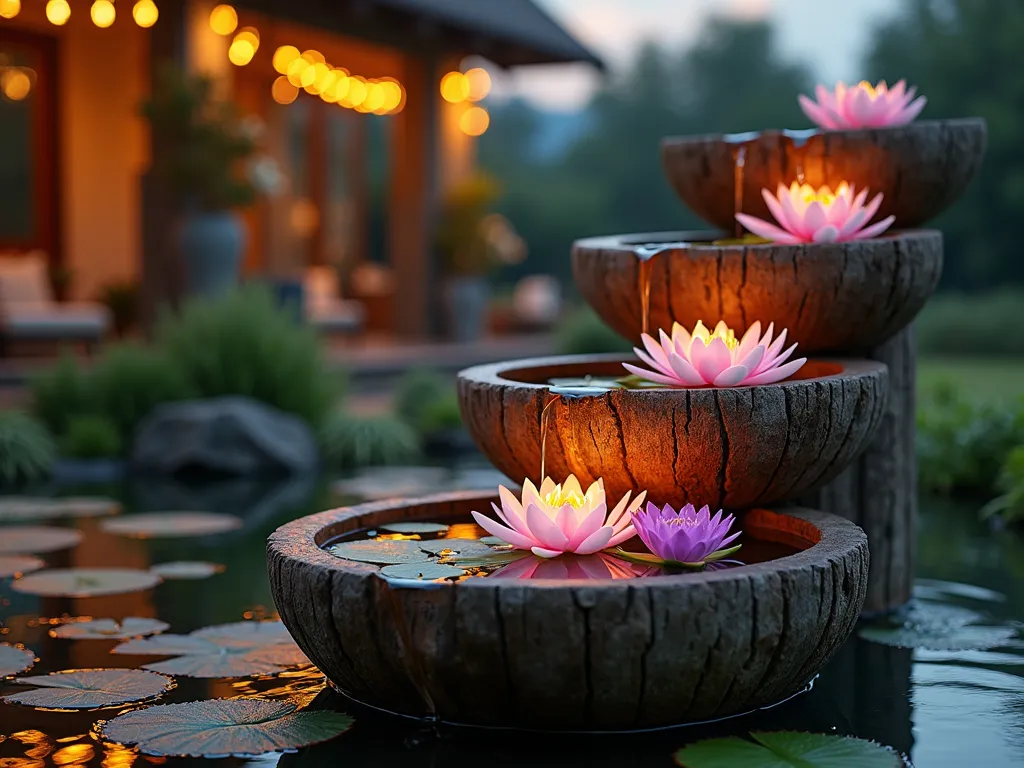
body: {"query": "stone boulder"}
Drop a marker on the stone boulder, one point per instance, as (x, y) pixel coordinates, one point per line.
(223, 436)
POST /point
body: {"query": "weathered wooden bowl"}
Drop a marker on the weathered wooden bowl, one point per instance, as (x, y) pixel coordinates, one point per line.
(839, 297)
(729, 448)
(570, 655)
(921, 168)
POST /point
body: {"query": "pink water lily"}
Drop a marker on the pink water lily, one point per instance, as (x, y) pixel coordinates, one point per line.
(560, 518)
(686, 537)
(863, 106)
(715, 359)
(809, 215)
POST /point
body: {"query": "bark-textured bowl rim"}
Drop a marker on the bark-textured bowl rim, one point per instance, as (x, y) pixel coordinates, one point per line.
(569, 655)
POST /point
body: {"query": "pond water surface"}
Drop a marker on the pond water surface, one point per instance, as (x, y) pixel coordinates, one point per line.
(957, 699)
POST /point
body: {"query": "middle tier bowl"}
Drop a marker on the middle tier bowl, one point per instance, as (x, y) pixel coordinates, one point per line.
(728, 448)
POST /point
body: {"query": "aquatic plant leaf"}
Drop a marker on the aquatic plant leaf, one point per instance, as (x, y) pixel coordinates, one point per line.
(646, 558)
(378, 483)
(166, 525)
(465, 547)
(29, 508)
(787, 749)
(493, 559)
(265, 632)
(186, 570)
(492, 541)
(15, 565)
(422, 571)
(90, 688)
(223, 727)
(85, 582)
(413, 528)
(109, 629)
(381, 551)
(14, 660)
(37, 539)
(937, 627)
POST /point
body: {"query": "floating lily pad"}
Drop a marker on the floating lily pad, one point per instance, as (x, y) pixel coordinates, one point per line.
(413, 528)
(466, 547)
(36, 539)
(90, 688)
(493, 541)
(108, 629)
(937, 627)
(422, 571)
(29, 508)
(85, 582)
(14, 660)
(223, 727)
(381, 551)
(493, 559)
(16, 565)
(166, 525)
(646, 558)
(265, 632)
(186, 569)
(788, 749)
(392, 482)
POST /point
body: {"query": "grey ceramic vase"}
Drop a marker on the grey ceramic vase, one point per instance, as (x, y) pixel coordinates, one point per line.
(466, 298)
(211, 245)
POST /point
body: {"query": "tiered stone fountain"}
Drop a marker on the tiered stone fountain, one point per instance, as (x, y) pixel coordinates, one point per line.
(672, 647)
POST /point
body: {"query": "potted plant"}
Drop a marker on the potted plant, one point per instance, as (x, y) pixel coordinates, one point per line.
(205, 155)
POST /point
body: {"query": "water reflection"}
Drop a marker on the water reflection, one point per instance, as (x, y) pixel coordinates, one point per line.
(574, 567)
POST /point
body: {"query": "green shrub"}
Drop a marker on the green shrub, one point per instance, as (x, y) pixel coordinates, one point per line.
(91, 437)
(958, 325)
(27, 450)
(1010, 505)
(584, 333)
(417, 392)
(349, 441)
(60, 393)
(443, 414)
(243, 344)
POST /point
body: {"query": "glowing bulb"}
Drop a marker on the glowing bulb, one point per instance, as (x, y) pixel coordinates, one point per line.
(145, 13)
(340, 88)
(102, 13)
(322, 76)
(314, 56)
(9, 8)
(284, 91)
(301, 73)
(454, 87)
(392, 96)
(58, 12)
(241, 52)
(479, 83)
(474, 121)
(375, 96)
(356, 92)
(16, 84)
(250, 35)
(223, 20)
(284, 56)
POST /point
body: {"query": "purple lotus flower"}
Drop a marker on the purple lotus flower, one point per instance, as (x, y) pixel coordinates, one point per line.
(687, 537)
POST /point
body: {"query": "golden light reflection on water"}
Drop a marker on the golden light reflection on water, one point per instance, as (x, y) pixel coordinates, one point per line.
(297, 686)
(39, 744)
(74, 754)
(116, 756)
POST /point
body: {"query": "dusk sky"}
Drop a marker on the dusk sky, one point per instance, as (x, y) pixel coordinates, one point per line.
(828, 34)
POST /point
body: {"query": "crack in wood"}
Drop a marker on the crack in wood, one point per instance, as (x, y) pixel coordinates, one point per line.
(622, 439)
(588, 700)
(724, 437)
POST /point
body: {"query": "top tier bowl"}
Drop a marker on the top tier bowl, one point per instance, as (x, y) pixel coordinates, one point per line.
(921, 168)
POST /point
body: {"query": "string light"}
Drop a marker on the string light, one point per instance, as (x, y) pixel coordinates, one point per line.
(479, 83)
(454, 87)
(145, 13)
(223, 20)
(58, 12)
(250, 35)
(9, 8)
(310, 71)
(283, 91)
(475, 121)
(240, 52)
(284, 56)
(102, 13)
(15, 83)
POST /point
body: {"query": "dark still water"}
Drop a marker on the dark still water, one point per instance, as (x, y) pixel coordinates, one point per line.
(956, 699)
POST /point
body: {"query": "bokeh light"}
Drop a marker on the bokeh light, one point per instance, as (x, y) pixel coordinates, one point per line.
(9, 8)
(284, 56)
(474, 121)
(479, 83)
(250, 35)
(454, 87)
(314, 56)
(322, 78)
(58, 12)
(284, 91)
(301, 73)
(145, 13)
(393, 96)
(374, 99)
(16, 83)
(102, 13)
(356, 92)
(223, 20)
(241, 52)
(339, 90)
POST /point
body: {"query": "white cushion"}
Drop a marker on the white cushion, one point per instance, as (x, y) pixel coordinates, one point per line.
(24, 279)
(55, 321)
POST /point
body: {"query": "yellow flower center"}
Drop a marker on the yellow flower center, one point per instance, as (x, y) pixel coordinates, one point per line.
(689, 522)
(559, 498)
(728, 336)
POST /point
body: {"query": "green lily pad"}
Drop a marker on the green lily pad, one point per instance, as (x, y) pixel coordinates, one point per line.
(166, 525)
(413, 528)
(109, 629)
(381, 551)
(223, 727)
(422, 571)
(261, 632)
(90, 688)
(493, 559)
(454, 547)
(15, 660)
(35, 509)
(937, 627)
(493, 541)
(37, 539)
(16, 565)
(85, 582)
(646, 558)
(788, 749)
(186, 570)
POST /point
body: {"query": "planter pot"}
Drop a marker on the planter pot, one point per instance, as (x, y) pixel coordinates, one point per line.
(211, 246)
(466, 300)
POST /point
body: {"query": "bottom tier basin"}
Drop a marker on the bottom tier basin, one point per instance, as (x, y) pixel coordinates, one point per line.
(604, 654)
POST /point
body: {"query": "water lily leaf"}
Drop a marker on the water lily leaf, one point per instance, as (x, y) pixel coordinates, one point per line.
(381, 551)
(493, 559)
(16, 508)
(392, 482)
(14, 660)
(186, 569)
(90, 688)
(16, 565)
(223, 727)
(422, 571)
(261, 632)
(787, 749)
(465, 547)
(109, 629)
(493, 541)
(937, 627)
(412, 528)
(85, 582)
(166, 525)
(36, 539)
(646, 558)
